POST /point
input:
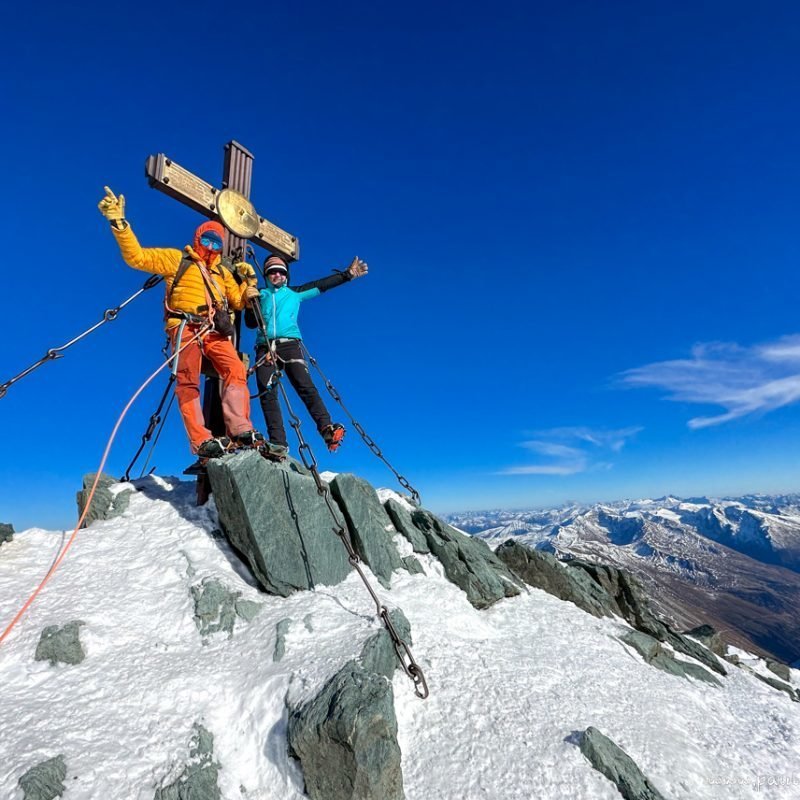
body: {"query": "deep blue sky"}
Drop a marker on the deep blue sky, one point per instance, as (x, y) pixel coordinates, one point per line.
(555, 201)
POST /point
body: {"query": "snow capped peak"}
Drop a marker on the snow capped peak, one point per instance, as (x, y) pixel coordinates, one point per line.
(510, 684)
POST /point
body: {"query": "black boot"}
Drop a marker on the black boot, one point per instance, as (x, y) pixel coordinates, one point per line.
(333, 436)
(214, 448)
(248, 439)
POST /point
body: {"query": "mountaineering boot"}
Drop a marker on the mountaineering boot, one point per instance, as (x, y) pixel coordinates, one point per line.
(213, 448)
(274, 451)
(248, 439)
(333, 436)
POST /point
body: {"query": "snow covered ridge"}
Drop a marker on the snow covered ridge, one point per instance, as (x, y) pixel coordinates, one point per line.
(732, 562)
(167, 667)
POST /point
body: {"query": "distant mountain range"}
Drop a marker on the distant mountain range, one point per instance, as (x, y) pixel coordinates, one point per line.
(732, 562)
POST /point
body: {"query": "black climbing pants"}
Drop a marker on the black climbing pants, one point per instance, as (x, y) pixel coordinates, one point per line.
(291, 361)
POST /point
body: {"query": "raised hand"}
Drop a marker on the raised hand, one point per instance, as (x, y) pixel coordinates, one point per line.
(111, 206)
(357, 268)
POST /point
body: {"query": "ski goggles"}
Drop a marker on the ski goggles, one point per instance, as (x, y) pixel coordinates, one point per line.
(212, 243)
(277, 271)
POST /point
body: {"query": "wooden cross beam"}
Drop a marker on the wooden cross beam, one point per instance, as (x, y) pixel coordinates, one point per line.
(165, 175)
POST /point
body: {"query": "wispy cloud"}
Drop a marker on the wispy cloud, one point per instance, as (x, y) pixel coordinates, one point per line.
(741, 380)
(566, 450)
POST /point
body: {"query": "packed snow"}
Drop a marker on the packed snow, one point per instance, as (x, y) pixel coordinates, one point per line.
(510, 686)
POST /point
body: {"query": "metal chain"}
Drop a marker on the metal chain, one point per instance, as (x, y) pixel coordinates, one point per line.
(158, 436)
(109, 315)
(404, 654)
(368, 440)
(155, 418)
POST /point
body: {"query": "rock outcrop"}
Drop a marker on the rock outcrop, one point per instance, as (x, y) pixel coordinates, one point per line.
(6, 532)
(370, 527)
(468, 563)
(274, 516)
(45, 781)
(216, 607)
(710, 638)
(200, 774)
(544, 571)
(346, 737)
(404, 522)
(105, 503)
(288, 541)
(657, 656)
(61, 645)
(613, 762)
(630, 602)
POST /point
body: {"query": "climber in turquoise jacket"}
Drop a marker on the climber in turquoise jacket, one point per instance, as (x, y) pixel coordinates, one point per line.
(281, 345)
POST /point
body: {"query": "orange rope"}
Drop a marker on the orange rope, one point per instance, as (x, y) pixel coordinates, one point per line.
(67, 546)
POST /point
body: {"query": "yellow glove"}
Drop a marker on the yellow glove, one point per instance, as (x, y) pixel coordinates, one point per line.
(246, 272)
(357, 268)
(112, 207)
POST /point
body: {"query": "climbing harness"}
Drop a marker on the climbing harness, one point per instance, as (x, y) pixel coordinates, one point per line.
(368, 440)
(109, 315)
(200, 333)
(404, 654)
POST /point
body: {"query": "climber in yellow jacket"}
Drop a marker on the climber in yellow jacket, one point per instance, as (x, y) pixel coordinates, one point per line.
(199, 290)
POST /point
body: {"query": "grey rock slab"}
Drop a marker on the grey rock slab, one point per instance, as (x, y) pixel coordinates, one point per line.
(198, 781)
(632, 604)
(61, 645)
(378, 654)
(275, 518)
(544, 571)
(105, 504)
(346, 739)
(613, 762)
(779, 669)
(370, 527)
(247, 609)
(654, 654)
(6, 532)
(469, 563)
(281, 630)
(45, 781)
(214, 607)
(779, 685)
(412, 565)
(710, 638)
(402, 519)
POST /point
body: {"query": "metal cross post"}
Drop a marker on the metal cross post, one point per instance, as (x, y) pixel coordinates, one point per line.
(230, 205)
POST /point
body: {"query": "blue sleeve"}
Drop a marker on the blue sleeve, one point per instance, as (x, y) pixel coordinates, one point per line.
(308, 294)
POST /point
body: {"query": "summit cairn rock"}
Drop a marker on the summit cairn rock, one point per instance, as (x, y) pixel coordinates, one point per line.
(369, 524)
(273, 515)
(346, 737)
(613, 762)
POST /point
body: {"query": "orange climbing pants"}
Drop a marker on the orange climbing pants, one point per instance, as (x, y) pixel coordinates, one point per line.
(233, 392)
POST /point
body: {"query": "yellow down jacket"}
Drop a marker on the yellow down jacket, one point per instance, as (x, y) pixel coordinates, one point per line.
(190, 293)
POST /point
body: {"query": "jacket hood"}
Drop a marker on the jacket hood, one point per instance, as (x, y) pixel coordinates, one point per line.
(206, 253)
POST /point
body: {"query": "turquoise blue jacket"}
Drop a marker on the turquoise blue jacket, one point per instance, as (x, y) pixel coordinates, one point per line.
(280, 308)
